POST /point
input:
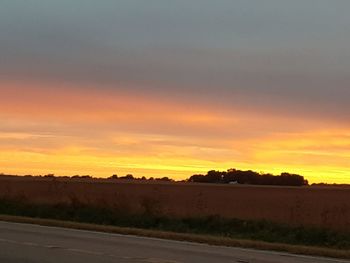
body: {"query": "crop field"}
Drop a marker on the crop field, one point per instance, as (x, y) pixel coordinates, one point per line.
(325, 207)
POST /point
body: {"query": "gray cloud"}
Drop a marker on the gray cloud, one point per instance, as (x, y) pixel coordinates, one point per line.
(291, 55)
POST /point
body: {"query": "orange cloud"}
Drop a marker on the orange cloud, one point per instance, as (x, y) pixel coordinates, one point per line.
(75, 130)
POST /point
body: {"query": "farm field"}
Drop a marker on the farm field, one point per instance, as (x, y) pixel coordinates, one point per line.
(325, 207)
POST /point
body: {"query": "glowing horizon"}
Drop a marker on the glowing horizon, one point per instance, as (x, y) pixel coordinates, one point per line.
(102, 133)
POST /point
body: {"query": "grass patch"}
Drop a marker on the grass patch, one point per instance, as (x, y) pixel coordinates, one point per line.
(214, 226)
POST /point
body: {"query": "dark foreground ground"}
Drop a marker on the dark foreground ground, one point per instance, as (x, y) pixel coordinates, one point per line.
(321, 207)
(30, 243)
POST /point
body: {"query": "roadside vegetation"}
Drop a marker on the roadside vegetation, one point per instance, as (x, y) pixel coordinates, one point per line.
(211, 225)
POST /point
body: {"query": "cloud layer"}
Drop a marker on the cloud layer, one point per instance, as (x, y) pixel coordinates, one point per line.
(174, 88)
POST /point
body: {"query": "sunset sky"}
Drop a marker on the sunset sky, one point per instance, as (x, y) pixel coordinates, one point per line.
(172, 88)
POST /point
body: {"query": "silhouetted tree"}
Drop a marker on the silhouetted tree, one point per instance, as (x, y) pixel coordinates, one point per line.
(249, 177)
(128, 177)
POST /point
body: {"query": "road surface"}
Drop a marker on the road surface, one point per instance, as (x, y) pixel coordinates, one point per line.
(25, 243)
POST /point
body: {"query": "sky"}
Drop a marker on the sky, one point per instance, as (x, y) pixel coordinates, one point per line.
(173, 88)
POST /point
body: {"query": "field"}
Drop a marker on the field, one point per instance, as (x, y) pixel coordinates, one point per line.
(323, 207)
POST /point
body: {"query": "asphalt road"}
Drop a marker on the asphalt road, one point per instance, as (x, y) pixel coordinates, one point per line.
(24, 243)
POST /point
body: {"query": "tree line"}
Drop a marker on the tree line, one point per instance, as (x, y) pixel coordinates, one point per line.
(231, 176)
(248, 177)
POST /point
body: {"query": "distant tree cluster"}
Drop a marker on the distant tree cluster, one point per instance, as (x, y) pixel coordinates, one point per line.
(143, 178)
(113, 177)
(231, 176)
(248, 177)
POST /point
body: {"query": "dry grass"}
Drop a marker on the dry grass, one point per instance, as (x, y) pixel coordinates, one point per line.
(303, 206)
